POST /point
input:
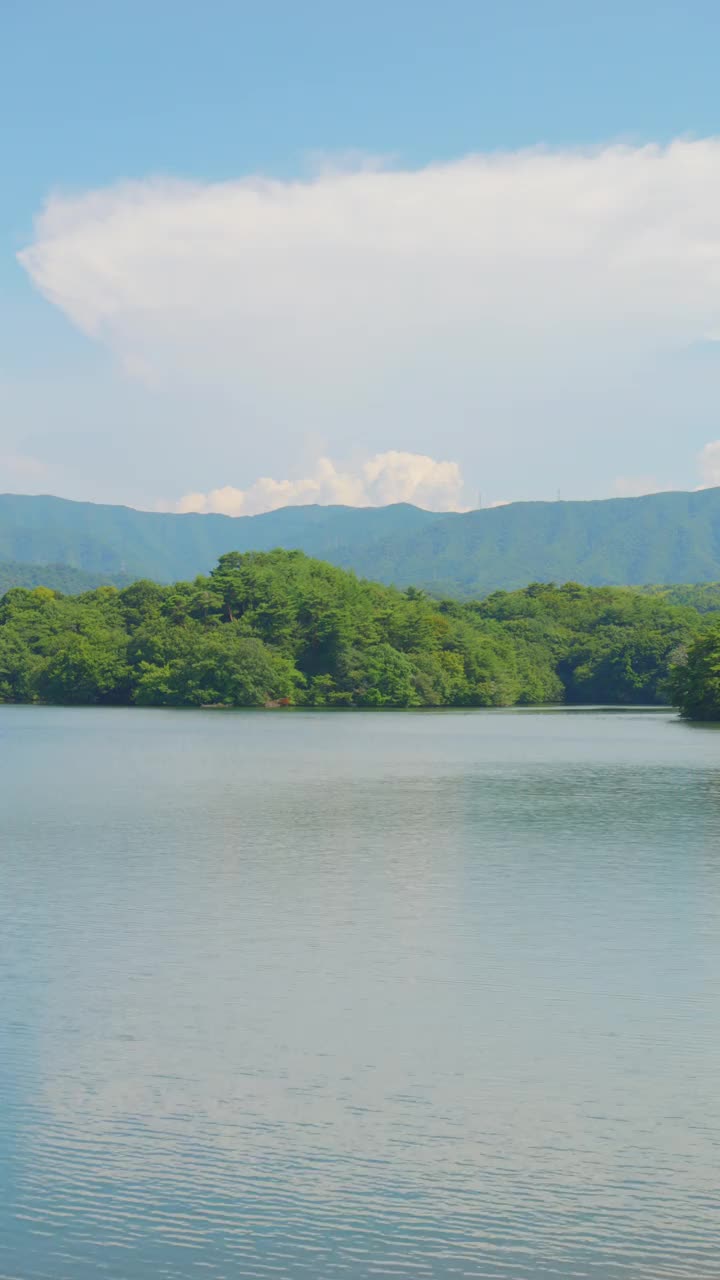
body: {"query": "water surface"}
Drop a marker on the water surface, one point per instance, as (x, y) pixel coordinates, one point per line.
(359, 995)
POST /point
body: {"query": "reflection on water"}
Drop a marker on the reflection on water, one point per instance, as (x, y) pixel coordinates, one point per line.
(423, 994)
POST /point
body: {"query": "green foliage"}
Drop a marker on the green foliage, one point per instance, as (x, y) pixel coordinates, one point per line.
(606, 644)
(85, 668)
(63, 649)
(276, 627)
(703, 596)
(695, 679)
(222, 667)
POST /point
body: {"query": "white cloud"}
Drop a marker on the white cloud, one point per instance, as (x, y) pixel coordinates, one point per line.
(709, 464)
(386, 478)
(636, 486)
(503, 309)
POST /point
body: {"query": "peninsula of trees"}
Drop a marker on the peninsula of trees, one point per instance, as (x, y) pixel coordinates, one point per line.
(280, 628)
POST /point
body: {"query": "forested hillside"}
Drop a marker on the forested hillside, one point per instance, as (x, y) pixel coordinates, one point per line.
(664, 538)
(59, 577)
(161, 545)
(281, 627)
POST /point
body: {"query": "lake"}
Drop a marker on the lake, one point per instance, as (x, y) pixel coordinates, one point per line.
(423, 994)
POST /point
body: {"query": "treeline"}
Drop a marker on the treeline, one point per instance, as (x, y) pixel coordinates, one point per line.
(703, 596)
(278, 627)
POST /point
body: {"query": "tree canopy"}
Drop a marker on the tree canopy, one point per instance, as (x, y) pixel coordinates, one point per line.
(280, 628)
(696, 677)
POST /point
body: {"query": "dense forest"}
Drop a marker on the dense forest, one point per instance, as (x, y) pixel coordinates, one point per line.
(695, 682)
(703, 596)
(280, 628)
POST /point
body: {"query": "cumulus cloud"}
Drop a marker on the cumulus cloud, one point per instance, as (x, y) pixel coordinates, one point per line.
(709, 464)
(494, 308)
(388, 477)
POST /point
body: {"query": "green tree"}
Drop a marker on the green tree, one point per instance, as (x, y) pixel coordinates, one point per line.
(221, 667)
(695, 682)
(385, 678)
(265, 626)
(90, 668)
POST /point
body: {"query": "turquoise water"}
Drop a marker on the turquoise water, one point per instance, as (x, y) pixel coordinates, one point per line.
(359, 995)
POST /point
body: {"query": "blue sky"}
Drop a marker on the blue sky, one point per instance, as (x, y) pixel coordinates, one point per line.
(94, 95)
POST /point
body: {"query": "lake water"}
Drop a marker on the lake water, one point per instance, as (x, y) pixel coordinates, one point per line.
(359, 995)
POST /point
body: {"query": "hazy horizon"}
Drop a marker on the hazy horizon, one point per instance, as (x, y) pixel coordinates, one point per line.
(369, 506)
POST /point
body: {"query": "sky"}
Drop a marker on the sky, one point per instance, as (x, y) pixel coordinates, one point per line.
(252, 255)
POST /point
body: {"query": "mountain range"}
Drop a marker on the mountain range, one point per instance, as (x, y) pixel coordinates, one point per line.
(660, 538)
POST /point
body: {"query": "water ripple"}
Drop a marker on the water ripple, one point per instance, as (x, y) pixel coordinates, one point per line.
(358, 996)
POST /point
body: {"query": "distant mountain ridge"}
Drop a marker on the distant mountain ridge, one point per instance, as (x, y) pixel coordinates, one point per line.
(661, 538)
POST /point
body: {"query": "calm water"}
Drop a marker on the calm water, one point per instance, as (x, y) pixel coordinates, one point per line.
(359, 995)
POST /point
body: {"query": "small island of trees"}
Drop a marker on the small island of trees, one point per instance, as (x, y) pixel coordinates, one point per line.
(279, 628)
